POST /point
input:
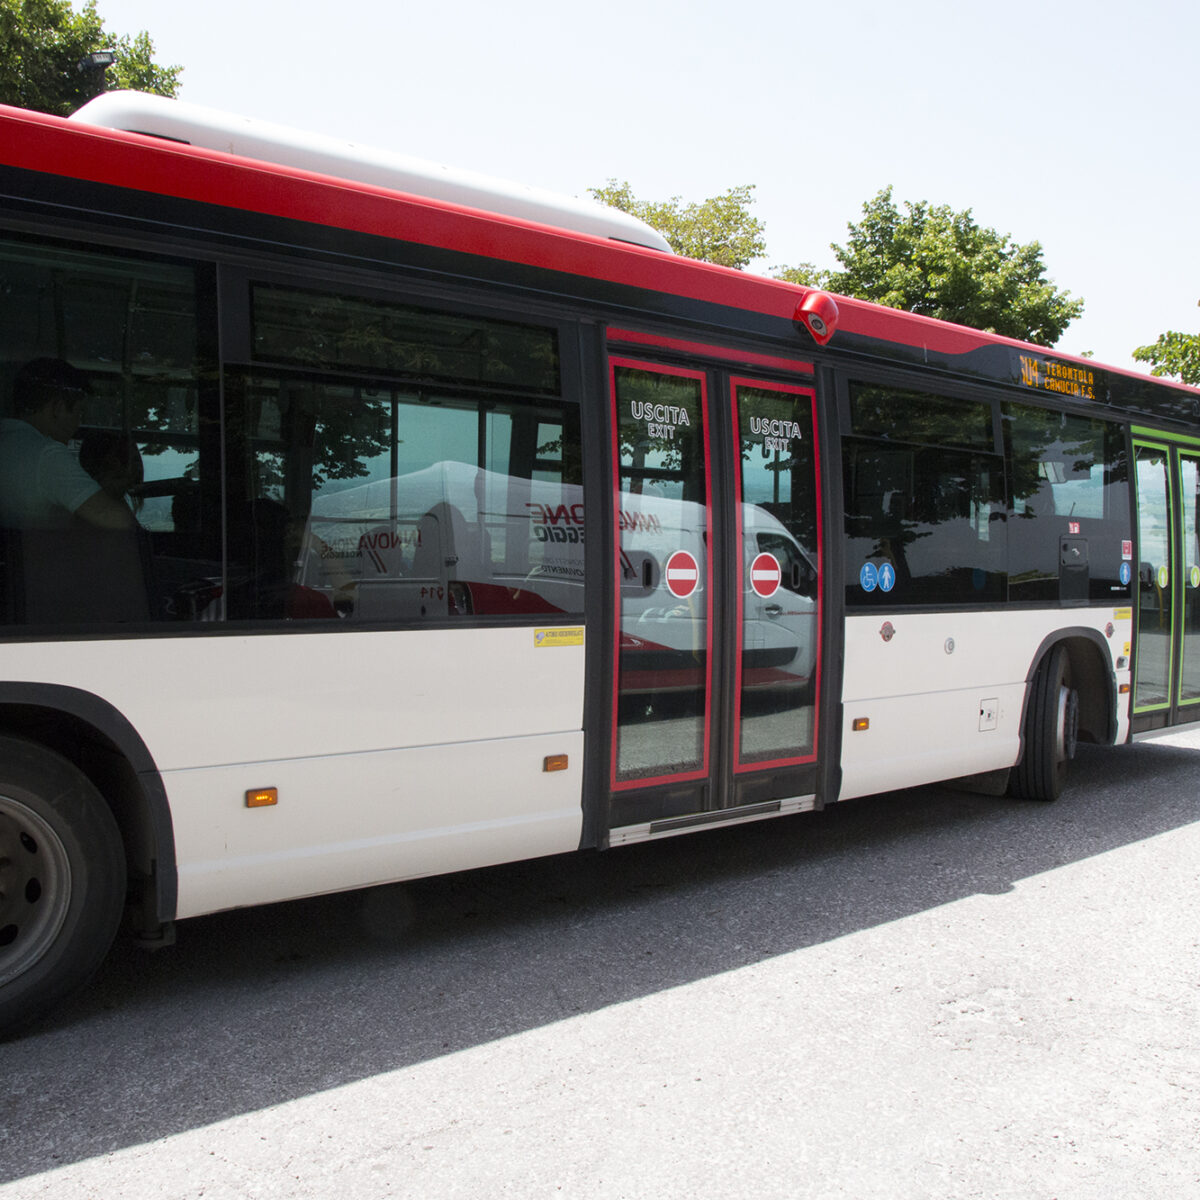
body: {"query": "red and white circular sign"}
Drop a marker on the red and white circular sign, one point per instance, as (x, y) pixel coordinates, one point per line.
(683, 574)
(766, 575)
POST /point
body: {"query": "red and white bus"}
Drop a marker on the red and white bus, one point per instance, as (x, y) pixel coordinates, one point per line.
(473, 525)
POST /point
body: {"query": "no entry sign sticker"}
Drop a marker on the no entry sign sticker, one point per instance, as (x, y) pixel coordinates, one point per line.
(766, 575)
(683, 574)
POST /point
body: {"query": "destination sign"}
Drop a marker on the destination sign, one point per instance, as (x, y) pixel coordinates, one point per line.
(1064, 379)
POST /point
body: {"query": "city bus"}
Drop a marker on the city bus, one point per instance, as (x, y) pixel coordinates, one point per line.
(463, 524)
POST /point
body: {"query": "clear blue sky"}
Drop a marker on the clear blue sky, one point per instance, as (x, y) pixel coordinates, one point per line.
(1072, 122)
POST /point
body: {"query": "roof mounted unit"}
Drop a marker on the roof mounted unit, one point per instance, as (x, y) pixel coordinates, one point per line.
(176, 120)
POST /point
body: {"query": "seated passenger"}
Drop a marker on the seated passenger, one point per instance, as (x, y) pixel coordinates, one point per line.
(112, 459)
(42, 485)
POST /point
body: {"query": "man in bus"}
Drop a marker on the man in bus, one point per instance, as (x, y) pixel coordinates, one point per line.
(42, 485)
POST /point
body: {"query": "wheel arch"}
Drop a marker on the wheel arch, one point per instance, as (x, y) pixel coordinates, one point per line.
(89, 732)
(1092, 677)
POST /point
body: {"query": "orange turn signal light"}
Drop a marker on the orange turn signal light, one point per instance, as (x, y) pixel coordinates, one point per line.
(554, 762)
(262, 797)
(861, 723)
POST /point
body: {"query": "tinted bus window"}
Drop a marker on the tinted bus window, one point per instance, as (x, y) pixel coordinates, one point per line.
(133, 329)
(317, 329)
(339, 491)
(1068, 478)
(924, 500)
(388, 500)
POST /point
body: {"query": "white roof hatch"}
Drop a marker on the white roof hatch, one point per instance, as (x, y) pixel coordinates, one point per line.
(177, 120)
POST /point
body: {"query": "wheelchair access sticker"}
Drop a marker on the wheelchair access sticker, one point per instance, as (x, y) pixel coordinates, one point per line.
(882, 577)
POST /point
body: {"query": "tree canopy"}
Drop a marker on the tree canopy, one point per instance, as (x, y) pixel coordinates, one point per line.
(717, 230)
(932, 260)
(1174, 355)
(42, 44)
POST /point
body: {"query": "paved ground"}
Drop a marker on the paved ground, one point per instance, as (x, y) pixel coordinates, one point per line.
(920, 995)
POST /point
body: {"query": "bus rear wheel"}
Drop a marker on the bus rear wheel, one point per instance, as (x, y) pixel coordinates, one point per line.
(62, 880)
(1051, 730)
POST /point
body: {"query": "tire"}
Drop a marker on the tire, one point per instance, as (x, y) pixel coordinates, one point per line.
(1050, 732)
(62, 881)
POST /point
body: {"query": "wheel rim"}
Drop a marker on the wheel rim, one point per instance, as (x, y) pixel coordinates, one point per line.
(1068, 723)
(35, 887)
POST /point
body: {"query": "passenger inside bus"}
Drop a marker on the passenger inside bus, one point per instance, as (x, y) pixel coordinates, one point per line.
(113, 460)
(42, 484)
(72, 552)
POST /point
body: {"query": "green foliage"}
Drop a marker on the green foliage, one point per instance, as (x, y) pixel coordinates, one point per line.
(718, 230)
(42, 43)
(932, 260)
(1174, 354)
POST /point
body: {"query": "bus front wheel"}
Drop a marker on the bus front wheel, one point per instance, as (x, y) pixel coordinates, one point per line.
(1050, 732)
(62, 880)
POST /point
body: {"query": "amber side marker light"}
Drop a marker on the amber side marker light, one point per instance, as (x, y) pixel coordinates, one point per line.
(554, 762)
(861, 723)
(262, 797)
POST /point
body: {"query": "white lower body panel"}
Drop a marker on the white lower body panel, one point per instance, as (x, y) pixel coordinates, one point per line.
(942, 693)
(395, 754)
(948, 743)
(348, 821)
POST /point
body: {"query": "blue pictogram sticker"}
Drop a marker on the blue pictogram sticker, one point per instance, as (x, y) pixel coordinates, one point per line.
(1126, 573)
(868, 577)
(887, 577)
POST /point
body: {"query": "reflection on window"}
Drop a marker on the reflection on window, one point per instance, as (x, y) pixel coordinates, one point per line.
(1067, 476)
(1189, 489)
(778, 600)
(925, 513)
(318, 329)
(134, 326)
(341, 488)
(1155, 580)
(374, 504)
(896, 414)
(404, 499)
(662, 519)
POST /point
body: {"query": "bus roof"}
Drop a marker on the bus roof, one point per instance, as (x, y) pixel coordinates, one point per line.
(196, 125)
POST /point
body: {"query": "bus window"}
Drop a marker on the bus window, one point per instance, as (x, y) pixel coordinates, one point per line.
(394, 501)
(778, 598)
(334, 331)
(924, 500)
(1067, 475)
(1189, 495)
(135, 330)
(1156, 576)
(664, 664)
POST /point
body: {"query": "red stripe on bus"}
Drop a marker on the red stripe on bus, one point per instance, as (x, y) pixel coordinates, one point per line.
(37, 142)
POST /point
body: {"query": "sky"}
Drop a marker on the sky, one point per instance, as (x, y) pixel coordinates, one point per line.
(1068, 122)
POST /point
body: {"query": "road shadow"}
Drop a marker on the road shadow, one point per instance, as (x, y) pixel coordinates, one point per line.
(262, 1006)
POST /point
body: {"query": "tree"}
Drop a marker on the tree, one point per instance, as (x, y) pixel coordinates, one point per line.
(932, 260)
(1174, 354)
(42, 44)
(717, 230)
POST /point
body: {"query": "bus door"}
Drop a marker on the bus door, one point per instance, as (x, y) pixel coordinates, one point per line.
(1167, 628)
(716, 573)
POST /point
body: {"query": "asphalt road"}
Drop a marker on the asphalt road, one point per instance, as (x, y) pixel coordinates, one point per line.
(926, 994)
